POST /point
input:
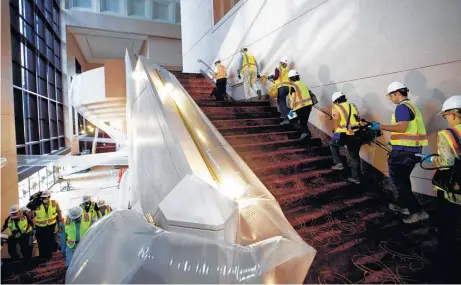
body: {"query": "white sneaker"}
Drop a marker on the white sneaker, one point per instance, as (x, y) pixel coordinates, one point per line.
(338, 166)
(396, 208)
(303, 136)
(416, 217)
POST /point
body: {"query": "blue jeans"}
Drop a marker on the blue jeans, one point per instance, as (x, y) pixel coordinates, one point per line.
(282, 101)
(69, 253)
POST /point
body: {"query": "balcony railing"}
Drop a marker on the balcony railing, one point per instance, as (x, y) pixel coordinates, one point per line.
(167, 11)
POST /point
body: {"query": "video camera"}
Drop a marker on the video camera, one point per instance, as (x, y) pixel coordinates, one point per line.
(35, 201)
(366, 134)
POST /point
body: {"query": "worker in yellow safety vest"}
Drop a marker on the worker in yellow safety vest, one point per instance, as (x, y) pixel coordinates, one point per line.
(281, 79)
(75, 227)
(248, 68)
(300, 102)
(104, 208)
(345, 122)
(91, 208)
(47, 219)
(19, 228)
(408, 136)
(449, 209)
(220, 74)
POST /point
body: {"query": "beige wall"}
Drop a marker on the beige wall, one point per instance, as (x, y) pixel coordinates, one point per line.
(164, 51)
(9, 173)
(115, 78)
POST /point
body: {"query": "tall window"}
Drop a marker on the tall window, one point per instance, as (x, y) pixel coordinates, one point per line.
(37, 76)
(221, 8)
(137, 8)
(161, 10)
(112, 6)
(81, 4)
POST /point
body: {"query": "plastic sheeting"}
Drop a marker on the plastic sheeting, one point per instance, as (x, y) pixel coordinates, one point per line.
(122, 248)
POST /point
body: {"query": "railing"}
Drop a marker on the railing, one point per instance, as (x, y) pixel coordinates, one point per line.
(167, 11)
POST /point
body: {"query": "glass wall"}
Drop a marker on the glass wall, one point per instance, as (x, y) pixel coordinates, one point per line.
(44, 179)
(37, 76)
(156, 10)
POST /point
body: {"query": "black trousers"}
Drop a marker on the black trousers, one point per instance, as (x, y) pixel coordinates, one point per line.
(46, 240)
(221, 85)
(401, 164)
(448, 265)
(300, 123)
(353, 153)
(25, 243)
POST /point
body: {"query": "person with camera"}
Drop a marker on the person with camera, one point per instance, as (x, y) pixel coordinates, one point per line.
(408, 136)
(345, 122)
(19, 228)
(448, 264)
(90, 207)
(75, 228)
(47, 219)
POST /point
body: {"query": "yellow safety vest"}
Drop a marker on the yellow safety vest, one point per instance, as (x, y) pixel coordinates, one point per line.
(343, 110)
(416, 132)
(23, 224)
(45, 218)
(221, 73)
(283, 79)
(457, 151)
(248, 61)
(301, 97)
(93, 214)
(71, 229)
(106, 209)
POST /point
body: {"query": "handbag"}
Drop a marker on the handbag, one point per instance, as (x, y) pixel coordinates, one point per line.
(449, 178)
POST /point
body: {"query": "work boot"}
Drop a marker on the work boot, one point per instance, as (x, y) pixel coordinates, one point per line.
(395, 208)
(285, 122)
(354, 180)
(338, 166)
(416, 217)
(302, 137)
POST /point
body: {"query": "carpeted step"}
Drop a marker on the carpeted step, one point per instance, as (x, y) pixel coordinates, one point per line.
(292, 166)
(242, 116)
(232, 103)
(239, 123)
(261, 138)
(255, 129)
(239, 110)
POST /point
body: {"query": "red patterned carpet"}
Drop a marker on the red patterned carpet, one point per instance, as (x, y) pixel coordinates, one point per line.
(357, 238)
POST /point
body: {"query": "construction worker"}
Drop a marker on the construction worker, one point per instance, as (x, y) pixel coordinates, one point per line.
(449, 210)
(345, 122)
(91, 208)
(408, 136)
(104, 208)
(221, 80)
(301, 103)
(19, 229)
(248, 67)
(47, 219)
(280, 77)
(75, 228)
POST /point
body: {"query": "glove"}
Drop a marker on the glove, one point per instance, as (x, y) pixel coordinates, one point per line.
(240, 77)
(290, 113)
(374, 126)
(270, 77)
(258, 76)
(426, 157)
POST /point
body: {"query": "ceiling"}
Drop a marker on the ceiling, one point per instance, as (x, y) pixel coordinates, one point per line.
(98, 45)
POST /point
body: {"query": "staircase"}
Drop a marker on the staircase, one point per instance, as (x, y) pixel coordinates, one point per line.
(357, 238)
(103, 147)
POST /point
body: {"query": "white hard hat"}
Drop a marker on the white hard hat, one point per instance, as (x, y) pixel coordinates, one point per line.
(242, 48)
(14, 209)
(75, 212)
(336, 96)
(292, 73)
(86, 198)
(25, 209)
(394, 86)
(101, 202)
(46, 194)
(284, 60)
(216, 61)
(454, 102)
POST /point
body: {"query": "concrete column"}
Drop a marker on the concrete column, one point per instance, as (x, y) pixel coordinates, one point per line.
(9, 173)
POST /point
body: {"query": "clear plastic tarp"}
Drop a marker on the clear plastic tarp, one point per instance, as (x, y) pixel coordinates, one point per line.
(111, 158)
(122, 248)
